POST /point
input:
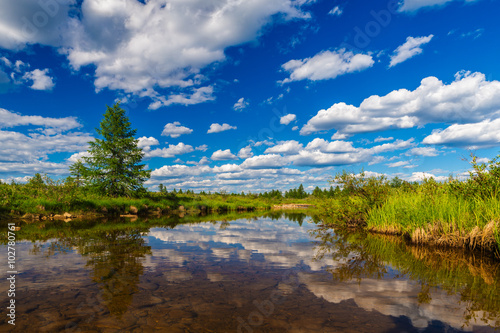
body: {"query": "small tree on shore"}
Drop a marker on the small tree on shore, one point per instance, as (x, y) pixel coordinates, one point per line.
(113, 165)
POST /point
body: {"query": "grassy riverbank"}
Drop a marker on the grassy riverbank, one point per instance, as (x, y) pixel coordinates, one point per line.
(43, 197)
(454, 213)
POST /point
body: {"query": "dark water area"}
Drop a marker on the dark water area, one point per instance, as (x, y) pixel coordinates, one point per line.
(240, 273)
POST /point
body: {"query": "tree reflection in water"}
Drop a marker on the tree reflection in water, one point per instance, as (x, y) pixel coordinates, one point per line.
(472, 276)
(115, 257)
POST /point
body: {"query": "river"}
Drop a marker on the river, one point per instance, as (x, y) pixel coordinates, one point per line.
(278, 272)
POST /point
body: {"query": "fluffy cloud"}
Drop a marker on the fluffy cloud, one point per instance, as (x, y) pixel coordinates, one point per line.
(336, 11)
(232, 177)
(28, 153)
(409, 49)
(202, 148)
(173, 171)
(195, 96)
(40, 79)
(223, 155)
(17, 73)
(19, 147)
(326, 65)
(424, 151)
(203, 161)
(145, 142)
(470, 98)
(321, 153)
(252, 174)
(330, 147)
(78, 157)
(287, 119)
(175, 130)
(164, 44)
(318, 158)
(216, 128)
(29, 22)
(381, 139)
(11, 119)
(420, 176)
(245, 152)
(241, 104)
(264, 162)
(398, 164)
(396, 145)
(263, 143)
(414, 5)
(17, 180)
(286, 147)
(171, 151)
(225, 168)
(474, 136)
(30, 168)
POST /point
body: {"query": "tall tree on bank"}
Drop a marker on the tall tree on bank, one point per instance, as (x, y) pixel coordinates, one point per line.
(113, 166)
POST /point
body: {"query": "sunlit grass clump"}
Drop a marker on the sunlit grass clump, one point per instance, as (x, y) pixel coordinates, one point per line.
(441, 219)
(454, 213)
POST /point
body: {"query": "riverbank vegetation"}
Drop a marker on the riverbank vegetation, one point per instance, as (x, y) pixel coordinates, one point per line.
(454, 213)
(43, 197)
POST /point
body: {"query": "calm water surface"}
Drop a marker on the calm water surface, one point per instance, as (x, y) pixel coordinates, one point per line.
(274, 273)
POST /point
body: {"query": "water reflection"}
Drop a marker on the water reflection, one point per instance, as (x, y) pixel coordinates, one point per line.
(458, 287)
(114, 258)
(224, 273)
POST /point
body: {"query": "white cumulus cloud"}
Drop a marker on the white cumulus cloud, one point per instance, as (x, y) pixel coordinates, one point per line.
(216, 128)
(476, 135)
(286, 147)
(163, 46)
(415, 5)
(469, 98)
(12, 119)
(40, 79)
(175, 130)
(318, 158)
(241, 104)
(145, 142)
(245, 152)
(223, 155)
(264, 162)
(326, 65)
(330, 147)
(287, 119)
(409, 49)
(423, 151)
(171, 151)
(202, 148)
(172, 171)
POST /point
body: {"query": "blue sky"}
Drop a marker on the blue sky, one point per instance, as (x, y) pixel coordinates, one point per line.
(253, 95)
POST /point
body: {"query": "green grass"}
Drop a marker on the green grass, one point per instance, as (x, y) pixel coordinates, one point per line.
(407, 211)
(440, 219)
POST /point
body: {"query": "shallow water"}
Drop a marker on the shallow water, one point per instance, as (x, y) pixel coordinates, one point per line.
(260, 274)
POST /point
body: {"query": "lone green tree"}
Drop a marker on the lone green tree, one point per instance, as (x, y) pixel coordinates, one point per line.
(113, 165)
